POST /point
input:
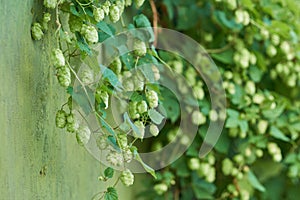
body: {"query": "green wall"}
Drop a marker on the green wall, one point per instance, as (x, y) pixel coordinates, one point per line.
(37, 161)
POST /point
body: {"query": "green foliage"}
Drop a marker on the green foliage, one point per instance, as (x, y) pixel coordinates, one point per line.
(255, 45)
(109, 172)
(111, 194)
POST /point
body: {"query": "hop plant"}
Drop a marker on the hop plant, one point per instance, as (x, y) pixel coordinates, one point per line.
(116, 66)
(242, 17)
(227, 167)
(99, 14)
(101, 142)
(275, 151)
(105, 6)
(83, 135)
(87, 76)
(213, 115)
(90, 33)
(64, 76)
(271, 51)
(72, 124)
(262, 126)
(154, 130)
(128, 3)
(152, 98)
(114, 13)
(142, 107)
(60, 119)
(127, 155)
(198, 118)
(36, 31)
(155, 72)
(121, 6)
(161, 188)
(127, 178)
(46, 19)
(133, 110)
(232, 5)
(194, 164)
(122, 140)
(58, 58)
(250, 87)
(50, 3)
(114, 158)
(139, 47)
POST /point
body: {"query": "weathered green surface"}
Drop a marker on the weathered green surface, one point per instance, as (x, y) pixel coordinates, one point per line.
(37, 161)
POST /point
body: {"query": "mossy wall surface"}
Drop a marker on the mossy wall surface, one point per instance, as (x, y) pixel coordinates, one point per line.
(37, 160)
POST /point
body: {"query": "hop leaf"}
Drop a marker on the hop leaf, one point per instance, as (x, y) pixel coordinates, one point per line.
(111, 194)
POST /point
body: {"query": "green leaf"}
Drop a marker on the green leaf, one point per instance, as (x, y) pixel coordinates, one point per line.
(291, 158)
(237, 97)
(225, 57)
(111, 77)
(233, 120)
(274, 113)
(231, 123)
(181, 167)
(255, 182)
(188, 17)
(105, 28)
(223, 144)
(129, 60)
(83, 100)
(222, 19)
(141, 21)
(170, 9)
(107, 127)
(243, 126)
(201, 188)
(109, 172)
(126, 119)
(170, 105)
(145, 166)
(113, 142)
(74, 11)
(111, 194)
(155, 116)
(255, 74)
(276, 133)
(136, 97)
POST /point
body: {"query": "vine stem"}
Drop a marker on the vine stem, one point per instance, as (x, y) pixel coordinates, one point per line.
(155, 21)
(163, 62)
(220, 50)
(85, 91)
(57, 22)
